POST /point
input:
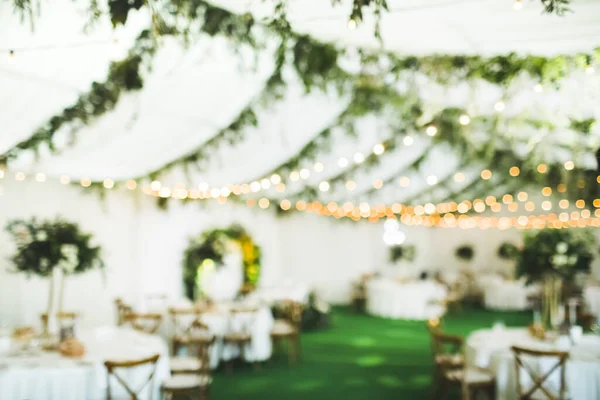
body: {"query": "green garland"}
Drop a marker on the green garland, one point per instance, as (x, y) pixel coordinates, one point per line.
(508, 251)
(209, 249)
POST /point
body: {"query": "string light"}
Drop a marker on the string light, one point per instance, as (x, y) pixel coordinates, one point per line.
(459, 177)
(109, 183)
(431, 130)
(404, 181)
(343, 162)
(499, 106)
(324, 186)
(464, 119)
(264, 203)
(486, 174)
(518, 5)
(377, 184)
(40, 177)
(378, 149)
(275, 179)
(350, 185)
(85, 182)
(155, 185)
(569, 165)
(514, 171)
(65, 180)
(432, 180)
(318, 167)
(408, 140)
(285, 204)
(359, 158)
(542, 168)
(352, 24)
(304, 173)
(538, 88)
(589, 69)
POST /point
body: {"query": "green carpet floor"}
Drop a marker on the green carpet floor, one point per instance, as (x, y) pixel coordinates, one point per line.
(359, 357)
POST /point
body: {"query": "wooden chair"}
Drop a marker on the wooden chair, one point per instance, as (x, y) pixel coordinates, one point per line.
(63, 318)
(122, 310)
(240, 337)
(191, 334)
(445, 350)
(143, 322)
(288, 329)
(538, 388)
(192, 384)
(111, 366)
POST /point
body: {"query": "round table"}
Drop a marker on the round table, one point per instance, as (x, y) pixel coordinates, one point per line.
(490, 348)
(506, 295)
(420, 300)
(49, 376)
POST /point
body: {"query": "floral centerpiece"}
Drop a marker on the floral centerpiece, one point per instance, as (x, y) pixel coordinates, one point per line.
(44, 246)
(553, 257)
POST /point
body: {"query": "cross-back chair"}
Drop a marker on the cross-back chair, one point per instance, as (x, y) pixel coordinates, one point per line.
(288, 329)
(143, 322)
(192, 384)
(194, 334)
(540, 380)
(186, 323)
(240, 333)
(450, 369)
(112, 366)
(63, 318)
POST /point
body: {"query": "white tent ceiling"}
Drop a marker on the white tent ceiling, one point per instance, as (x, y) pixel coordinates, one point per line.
(193, 92)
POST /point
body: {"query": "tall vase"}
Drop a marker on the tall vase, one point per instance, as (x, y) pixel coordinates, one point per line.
(551, 301)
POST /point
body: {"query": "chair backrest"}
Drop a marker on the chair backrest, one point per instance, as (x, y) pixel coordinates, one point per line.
(187, 321)
(122, 309)
(62, 317)
(292, 312)
(144, 322)
(540, 379)
(111, 366)
(203, 347)
(442, 343)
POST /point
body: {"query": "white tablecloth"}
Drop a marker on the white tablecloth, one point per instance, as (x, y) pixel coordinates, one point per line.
(49, 376)
(491, 349)
(506, 295)
(220, 321)
(418, 300)
(592, 298)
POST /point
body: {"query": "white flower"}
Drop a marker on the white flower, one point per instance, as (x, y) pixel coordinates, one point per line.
(562, 247)
(41, 236)
(559, 260)
(70, 258)
(573, 260)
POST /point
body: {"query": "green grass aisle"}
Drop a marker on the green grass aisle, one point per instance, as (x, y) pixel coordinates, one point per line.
(359, 357)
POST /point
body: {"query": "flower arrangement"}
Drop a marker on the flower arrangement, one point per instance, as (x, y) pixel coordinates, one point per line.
(561, 252)
(465, 252)
(210, 247)
(43, 245)
(399, 253)
(508, 251)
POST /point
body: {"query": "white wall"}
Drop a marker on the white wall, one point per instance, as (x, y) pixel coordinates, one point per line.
(143, 247)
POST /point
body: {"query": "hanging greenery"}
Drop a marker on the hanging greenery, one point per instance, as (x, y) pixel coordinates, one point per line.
(561, 252)
(209, 248)
(465, 252)
(123, 76)
(508, 251)
(43, 245)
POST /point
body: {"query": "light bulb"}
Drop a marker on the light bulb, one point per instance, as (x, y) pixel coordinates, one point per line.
(464, 119)
(324, 186)
(318, 167)
(378, 149)
(352, 24)
(538, 88)
(518, 5)
(432, 180)
(431, 130)
(358, 158)
(343, 162)
(408, 140)
(499, 106)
